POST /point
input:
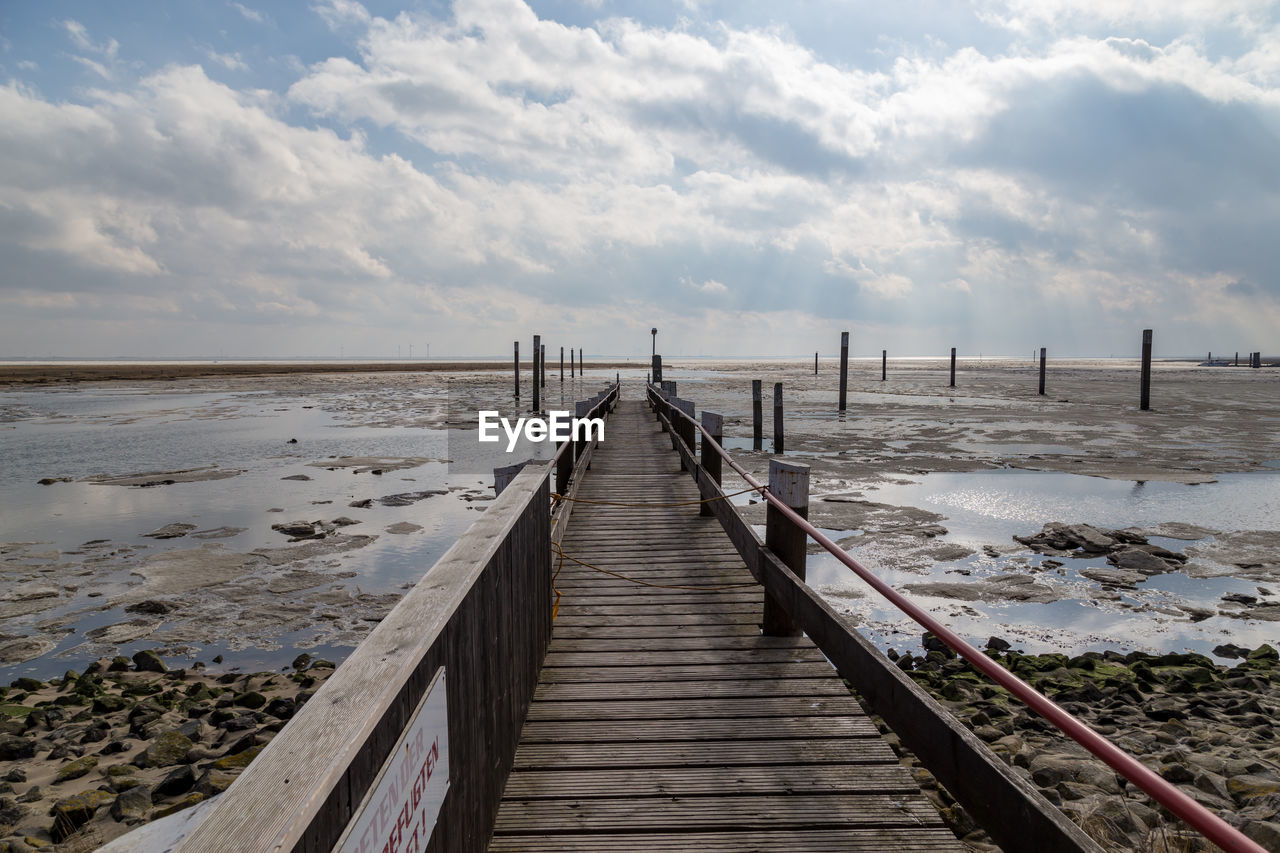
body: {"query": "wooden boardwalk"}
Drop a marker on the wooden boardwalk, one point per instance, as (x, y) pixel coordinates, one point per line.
(663, 720)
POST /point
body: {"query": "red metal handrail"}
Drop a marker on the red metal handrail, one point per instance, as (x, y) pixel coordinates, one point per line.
(1170, 796)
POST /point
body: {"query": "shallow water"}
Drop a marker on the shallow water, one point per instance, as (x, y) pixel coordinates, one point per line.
(990, 507)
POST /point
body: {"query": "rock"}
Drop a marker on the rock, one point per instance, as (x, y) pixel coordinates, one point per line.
(1264, 653)
(1265, 832)
(151, 606)
(168, 749)
(17, 774)
(132, 806)
(49, 481)
(171, 531)
(1138, 560)
(34, 794)
(343, 521)
(16, 748)
(298, 477)
(409, 498)
(214, 781)
(71, 813)
(185, 803)
(997, 644)
(295, 528)
(364, 504)
(302, 661)
(1122, 578)
(236, 762)
(251, 699)
(148, 661)
(1248, 786)
(178, 781)
(75, 769)
(109, 703)
(10, 812)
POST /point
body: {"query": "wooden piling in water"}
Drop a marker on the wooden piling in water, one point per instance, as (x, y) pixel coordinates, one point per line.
(844, 369)
(708, 457)
(884, 365)
(1237, 358)
(953, 368)
(571, 367)
(815, 364)
(517, 370)
(789, 481)
(1043, 354)
(757, 416)
(1144, 400)
(537, 354)
(561, 364)
(582, 364)
(542, 365)
(777, 417)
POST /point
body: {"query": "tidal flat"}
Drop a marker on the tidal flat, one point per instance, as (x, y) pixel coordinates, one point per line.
(229, 523)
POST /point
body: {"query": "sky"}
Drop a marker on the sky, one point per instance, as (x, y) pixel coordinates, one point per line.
(752, 178)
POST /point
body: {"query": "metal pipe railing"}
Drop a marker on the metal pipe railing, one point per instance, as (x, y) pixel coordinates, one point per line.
(1162, 791)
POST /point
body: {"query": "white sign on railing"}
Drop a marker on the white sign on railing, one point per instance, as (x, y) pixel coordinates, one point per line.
(400, 810)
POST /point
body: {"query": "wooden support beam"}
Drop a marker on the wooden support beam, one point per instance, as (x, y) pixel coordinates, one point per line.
(789, 482)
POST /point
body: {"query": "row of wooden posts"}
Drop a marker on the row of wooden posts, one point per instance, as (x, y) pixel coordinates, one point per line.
(540, 368)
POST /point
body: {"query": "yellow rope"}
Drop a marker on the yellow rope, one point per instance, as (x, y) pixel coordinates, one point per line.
(620, 576)
(642, 505)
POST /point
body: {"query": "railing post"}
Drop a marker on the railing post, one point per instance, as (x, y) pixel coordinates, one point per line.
(503, 476)
(537, 354)
(777, 417)
(564, 468)
(844, 370)
(789, 482)
(710, 459)
(1043, 353)
(1144, 398)
(757, 416)
(580, 409)
(684, 427)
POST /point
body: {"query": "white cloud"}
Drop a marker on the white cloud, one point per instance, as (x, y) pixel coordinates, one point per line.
(249, 14)
(229, 61)
(710, 286)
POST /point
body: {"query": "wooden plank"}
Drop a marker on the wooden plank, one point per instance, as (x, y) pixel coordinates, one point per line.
(667, 643)
(695, 708)
(693, 781)
(563, 691)
(694, 672)
(883, 839)
(809, 811)
(737, 753)
(682, 656)
(722, 728)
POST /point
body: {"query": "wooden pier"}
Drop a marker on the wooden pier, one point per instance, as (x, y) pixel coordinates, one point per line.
(664, 720)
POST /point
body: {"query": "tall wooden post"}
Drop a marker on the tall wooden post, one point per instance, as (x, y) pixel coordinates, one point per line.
(542, 365)
(884, 365)
(1043, 354)
(517, 370)
(714, 424)
(561, 364)
(788, 481)
(537, 353)
(953, 368)
(777, 417)
(564, 467)
(815, 364)
(844, 369)
(582, 364)
(757, 416)
(571, 368)
(1144, 401)
(657, 369)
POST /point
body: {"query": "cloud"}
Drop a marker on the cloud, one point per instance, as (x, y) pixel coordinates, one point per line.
(249, 14)
(479, 172)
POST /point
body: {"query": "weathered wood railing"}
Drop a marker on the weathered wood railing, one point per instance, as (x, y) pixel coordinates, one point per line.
(483, 612)
(1002, 802)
